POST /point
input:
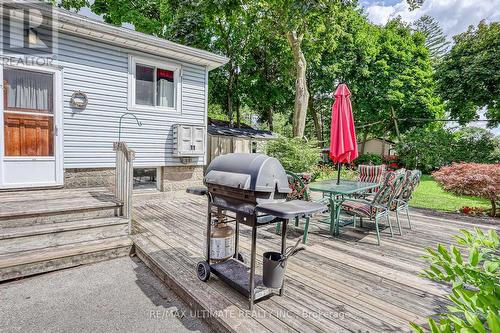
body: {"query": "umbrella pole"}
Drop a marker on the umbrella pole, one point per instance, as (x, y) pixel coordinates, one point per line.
(338, 172)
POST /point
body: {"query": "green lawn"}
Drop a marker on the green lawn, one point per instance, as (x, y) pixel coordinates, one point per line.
(430, 195)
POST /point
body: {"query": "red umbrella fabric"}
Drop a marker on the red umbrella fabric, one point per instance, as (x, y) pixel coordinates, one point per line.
(343, 144)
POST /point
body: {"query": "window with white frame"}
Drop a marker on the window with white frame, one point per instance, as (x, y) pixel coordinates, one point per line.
(153, 84)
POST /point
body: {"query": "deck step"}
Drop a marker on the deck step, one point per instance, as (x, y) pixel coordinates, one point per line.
(18, 209)
(20, 264)
(33, 237)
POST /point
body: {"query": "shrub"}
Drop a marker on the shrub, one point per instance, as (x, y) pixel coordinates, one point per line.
(431, 148)
(295, 154)
(425, 150)
(368, 159)
(474, 144)
(475, 283)
(474, 179)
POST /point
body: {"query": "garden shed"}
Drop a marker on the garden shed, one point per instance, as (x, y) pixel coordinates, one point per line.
(377, 146)
(224, 139)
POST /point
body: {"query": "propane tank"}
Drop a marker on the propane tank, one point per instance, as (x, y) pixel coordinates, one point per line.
(221, 241)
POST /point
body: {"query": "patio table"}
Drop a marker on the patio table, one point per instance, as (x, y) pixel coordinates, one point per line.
(337, 193)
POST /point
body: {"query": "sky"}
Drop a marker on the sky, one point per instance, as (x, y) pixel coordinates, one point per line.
(454, 16)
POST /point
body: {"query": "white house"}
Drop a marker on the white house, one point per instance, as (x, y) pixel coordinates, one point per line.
(60, 114)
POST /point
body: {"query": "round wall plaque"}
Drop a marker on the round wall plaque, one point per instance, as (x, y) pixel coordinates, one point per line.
(79, 99)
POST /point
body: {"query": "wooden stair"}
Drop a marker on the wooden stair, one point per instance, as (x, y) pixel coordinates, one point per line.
(47, 230)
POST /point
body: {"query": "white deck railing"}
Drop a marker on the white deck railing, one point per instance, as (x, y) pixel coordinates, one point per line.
(124, 181)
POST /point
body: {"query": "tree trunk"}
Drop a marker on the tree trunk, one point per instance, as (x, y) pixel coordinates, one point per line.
(493, 208)
(301, 92)
(270, 114)
(229, 92)
(395, 123)
(318, 128)
(237, 102)
(363, 143)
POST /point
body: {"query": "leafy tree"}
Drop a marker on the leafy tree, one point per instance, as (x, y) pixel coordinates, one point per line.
(402, 82)
(475, 144)
(266, 81)
(432, 147)
(435, 40)
(346, 59)
(469, 75)
(300, 21)
(426, 148)
(475, 282)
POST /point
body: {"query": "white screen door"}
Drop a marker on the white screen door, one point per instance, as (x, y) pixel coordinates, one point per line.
(31, 152)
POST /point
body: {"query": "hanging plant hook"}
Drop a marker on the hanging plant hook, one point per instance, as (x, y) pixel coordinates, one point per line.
(120, 123)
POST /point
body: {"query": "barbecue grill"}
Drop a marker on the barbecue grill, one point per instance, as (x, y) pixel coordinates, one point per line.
(250, 189)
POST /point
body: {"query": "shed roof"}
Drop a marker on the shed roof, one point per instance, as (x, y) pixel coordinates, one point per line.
(221, 127)
(80, 25)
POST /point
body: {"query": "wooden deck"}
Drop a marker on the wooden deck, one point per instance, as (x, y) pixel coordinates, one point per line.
(345, 284)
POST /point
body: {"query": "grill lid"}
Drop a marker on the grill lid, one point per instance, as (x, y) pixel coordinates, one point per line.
(253, 172)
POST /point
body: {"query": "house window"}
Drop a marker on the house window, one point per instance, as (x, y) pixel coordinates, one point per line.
(155, 85)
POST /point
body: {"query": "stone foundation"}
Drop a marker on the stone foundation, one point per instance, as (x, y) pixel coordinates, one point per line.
(176, 178)
(84, 178)
(172, 178)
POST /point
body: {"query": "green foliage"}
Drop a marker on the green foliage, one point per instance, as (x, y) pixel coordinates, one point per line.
(474, 144)
(215, 112)
(469, 75)
(327, 172)
(295, 154)
(475, 281)
(373, 159)
(430, 148)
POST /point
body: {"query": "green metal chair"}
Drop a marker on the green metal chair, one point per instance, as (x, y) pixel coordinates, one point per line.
(401, 202)
(300, 191)
(379, 207)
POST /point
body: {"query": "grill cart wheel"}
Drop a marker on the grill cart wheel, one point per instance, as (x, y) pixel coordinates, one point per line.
(240, 257)
(203, 270)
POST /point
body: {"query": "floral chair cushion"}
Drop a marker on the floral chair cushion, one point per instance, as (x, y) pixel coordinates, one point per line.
(298, 184)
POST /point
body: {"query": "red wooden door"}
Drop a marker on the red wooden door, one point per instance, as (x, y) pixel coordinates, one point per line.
(28, 135)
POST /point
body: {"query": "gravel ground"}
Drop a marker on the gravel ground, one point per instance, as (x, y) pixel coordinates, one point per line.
(120, 295)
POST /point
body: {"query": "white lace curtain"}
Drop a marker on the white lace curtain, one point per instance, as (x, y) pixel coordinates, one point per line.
(28, 90)
(165, 93)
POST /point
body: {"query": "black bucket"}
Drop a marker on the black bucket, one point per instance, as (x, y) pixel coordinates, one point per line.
(273, 269)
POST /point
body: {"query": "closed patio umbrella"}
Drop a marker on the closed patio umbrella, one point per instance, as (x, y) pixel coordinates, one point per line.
(343, 144)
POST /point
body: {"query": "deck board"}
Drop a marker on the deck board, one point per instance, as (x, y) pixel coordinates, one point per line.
(28, 203)
(344, 284)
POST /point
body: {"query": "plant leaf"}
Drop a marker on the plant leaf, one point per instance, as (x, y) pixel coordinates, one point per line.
(493, 321)
(473, 256)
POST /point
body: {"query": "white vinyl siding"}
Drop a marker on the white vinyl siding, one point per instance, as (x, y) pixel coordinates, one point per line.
(101, 71)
